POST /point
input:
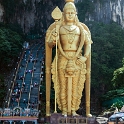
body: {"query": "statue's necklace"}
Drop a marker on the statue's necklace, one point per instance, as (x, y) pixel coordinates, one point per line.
(70, 34)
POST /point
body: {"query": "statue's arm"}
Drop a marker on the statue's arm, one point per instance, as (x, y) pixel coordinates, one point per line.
(52, 35)
(87, 44)
(87, 50)
(51, 38)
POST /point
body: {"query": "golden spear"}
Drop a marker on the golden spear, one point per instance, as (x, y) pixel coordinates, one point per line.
(56, 14)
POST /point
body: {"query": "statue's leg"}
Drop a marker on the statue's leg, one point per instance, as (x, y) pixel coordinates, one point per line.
(75, 81)
(63, 91)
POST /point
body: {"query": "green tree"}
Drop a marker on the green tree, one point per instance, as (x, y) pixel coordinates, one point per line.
(118, 104)
(107, 53)
(10, 46)
(118, 77)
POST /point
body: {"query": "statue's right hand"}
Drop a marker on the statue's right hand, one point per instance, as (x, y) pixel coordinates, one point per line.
(54, 35)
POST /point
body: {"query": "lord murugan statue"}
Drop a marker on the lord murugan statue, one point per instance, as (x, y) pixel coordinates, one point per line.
(71, 66)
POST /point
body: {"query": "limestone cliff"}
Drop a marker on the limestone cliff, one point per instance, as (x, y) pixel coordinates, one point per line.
(35, 15)
(107, 10)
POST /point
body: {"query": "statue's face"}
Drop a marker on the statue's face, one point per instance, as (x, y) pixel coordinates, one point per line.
(70, 15)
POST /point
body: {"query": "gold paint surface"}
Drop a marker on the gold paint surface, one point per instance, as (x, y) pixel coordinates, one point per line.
(71, 66)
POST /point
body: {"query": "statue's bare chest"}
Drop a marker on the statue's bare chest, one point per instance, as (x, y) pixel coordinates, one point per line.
(70, 34)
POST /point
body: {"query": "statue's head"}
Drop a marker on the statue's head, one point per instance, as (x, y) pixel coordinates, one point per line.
(69, 11)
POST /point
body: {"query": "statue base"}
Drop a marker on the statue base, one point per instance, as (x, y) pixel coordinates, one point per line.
(58, 118)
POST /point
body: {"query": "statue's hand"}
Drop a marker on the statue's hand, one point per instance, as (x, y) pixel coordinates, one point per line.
(81, 60)
(55, 35)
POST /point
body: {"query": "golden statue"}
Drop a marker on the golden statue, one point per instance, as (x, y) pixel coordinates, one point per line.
(70, 68)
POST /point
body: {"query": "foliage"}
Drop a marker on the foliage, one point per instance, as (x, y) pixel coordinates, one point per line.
(15, 27)
(112, 94)
(123, 62)
(10, 45)
(119, 104)
(118, 77)
(118, 81)
(107, 53)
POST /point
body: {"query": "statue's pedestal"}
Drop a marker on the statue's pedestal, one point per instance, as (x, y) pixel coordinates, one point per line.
(57, 118)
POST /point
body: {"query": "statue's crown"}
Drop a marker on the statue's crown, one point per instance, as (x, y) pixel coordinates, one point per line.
(69, 5)
(69, 1)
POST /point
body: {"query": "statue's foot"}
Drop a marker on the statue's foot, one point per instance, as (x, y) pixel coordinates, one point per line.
(74, 113)
(64, 114)
(89, 115)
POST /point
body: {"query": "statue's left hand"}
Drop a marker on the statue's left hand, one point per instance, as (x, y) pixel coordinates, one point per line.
(81, 60)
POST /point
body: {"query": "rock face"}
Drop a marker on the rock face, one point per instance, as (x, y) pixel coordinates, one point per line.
(1, 13)
(107, 11)
(34, 16)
